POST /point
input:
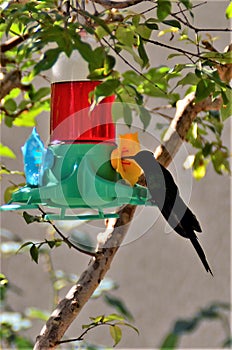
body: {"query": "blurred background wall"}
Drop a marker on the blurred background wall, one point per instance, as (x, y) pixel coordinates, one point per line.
(159, 274)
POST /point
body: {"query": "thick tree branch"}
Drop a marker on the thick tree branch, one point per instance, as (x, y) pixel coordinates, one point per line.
(186, 112)
(68, 309)
(109, 241)
(118, 4)
(13, 42)
(11, 80)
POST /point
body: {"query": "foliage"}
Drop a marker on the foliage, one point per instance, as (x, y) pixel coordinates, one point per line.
(13, 323)
(216, 311)
(35, 35)
(44, 31)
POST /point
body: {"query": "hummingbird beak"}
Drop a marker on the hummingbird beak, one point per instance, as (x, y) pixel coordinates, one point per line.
(128, 157)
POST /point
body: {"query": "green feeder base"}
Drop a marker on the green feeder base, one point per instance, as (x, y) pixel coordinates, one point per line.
(81, 177)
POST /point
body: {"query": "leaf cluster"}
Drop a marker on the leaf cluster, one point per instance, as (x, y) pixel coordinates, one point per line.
(115, 323)
(205, 135)
(216, 311)
(44, 31)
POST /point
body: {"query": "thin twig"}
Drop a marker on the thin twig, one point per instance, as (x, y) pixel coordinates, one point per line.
(133, 67)
(65, 239)
(191, 26)
(171, 47)
(193, 7)
(80, 338)
(165, 116)
(53, 279)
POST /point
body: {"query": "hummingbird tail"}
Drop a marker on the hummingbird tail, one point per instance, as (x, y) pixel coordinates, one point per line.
(200, 253)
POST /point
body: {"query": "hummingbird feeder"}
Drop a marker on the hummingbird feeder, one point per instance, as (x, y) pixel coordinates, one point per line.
(82, 166)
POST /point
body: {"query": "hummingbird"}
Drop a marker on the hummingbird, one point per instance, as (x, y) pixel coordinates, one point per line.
(165, 194)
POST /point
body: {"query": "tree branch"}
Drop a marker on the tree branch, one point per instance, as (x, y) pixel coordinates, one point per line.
(11, 80)
(65, 239)
(186, 111)
(109, 241)
(118, 4)
(69, 308)
(13, 42)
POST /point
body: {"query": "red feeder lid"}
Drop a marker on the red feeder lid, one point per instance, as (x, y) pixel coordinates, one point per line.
(71, 119)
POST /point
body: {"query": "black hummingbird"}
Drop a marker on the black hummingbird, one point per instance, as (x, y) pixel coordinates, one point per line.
(165, 194)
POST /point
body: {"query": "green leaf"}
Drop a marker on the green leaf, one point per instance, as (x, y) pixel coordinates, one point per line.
(106, 88)
(199, 166)
(101, 22)
(144, 31)
(84, 49)
(143, 54)
(125, 35)
(13, 93)
(98, 57)
(130, 326)
(116, 334)
(34, 251)
(170, 342)
(6, 152)
(151, 23)
(204, 88)
(35, 313)
(31, 218)
(3, 287)
(109, 63)
(130, 77)
(27, 118)
(163, 9)
(189, 79)
(223, 58)
(25, 245)
(227, 343)
(220, 161)
(207, 149)
(145, 117)
(51, 244)
(186, 3)
(96, 320)
(9, 191)
(136, 20)
(226, 109)
(173, 23)
(113, 317)
(127, 115)
(49, 59)
(119, 305)
(136, 57)
(10, 105)
(101, 32)
(229, 11)
(42, 92)
(54, 243)
(183, 326)
(22, 343)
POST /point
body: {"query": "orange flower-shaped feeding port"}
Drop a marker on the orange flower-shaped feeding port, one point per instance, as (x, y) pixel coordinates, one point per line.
(129, 145)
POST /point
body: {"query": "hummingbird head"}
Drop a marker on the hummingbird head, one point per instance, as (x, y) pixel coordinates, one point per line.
(142, 158)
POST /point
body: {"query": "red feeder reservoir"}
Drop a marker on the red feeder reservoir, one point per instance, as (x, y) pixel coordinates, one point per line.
(72, 121)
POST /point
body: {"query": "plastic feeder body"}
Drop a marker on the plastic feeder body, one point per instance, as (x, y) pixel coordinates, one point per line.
(77, 171)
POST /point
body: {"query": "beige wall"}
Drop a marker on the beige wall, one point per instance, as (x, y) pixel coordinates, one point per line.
(160, 276)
